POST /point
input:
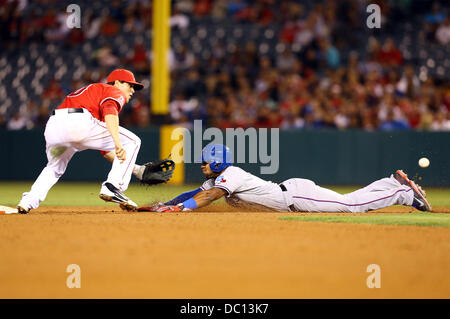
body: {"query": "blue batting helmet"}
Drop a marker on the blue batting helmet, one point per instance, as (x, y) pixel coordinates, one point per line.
(218, 155)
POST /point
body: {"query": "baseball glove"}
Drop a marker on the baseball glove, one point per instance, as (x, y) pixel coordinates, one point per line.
(158, 172)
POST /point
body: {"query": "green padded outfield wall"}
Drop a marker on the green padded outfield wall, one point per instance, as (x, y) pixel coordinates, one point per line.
(331, 157)
(327, 157)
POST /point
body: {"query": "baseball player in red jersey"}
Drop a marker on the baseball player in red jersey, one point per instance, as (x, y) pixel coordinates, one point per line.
(89, 119)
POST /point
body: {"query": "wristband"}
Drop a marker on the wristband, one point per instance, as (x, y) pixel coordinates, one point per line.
(190, 204)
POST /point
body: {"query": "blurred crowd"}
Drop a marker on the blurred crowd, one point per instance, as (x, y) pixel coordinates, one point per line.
(36, 113)
(319, 85)
(289, 93)
(43, 22)
(312, 87)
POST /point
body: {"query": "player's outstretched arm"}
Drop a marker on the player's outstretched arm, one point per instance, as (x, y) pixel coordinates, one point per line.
(183, 197)
(202, 199)
(206, 197)
(175, 201)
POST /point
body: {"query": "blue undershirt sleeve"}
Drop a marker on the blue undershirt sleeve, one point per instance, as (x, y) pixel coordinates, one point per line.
(183, 197)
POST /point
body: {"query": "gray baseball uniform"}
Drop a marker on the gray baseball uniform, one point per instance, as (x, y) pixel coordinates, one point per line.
(302, 195)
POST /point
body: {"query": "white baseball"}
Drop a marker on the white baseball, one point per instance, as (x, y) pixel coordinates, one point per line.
(424, 162)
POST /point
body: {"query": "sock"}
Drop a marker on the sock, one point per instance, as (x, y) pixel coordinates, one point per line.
(137, 171)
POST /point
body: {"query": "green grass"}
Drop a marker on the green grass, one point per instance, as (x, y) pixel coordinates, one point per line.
(86, 194)
(415, 219)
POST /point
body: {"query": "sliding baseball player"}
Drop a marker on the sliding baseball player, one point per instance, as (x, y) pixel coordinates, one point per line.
(242, 189)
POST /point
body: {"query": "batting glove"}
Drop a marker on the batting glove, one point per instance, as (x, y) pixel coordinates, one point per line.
(168, 209)
(152, 208)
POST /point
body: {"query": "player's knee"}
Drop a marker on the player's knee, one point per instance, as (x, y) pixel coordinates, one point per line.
(134, 142)
(138, 142)
(57, 172)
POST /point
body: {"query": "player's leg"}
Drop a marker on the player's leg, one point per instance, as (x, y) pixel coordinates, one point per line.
(59, 152)
(381, 184)
(138, 170)
(58, 157)
(399, 177)
(120, 174)
(100, 139)
(382, 193)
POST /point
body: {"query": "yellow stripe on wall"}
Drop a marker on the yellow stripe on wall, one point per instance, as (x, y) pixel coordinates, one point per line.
(160, 50)
(170, 143)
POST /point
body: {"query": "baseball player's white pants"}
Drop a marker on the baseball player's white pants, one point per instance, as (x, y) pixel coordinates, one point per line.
(306, 196)
(68, 133)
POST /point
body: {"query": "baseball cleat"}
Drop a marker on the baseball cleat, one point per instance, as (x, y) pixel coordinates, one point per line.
(22, 210)
(419, 202)
(109, 193)
(128, 207)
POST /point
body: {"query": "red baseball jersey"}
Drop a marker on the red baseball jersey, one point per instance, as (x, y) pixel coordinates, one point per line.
(98, 98)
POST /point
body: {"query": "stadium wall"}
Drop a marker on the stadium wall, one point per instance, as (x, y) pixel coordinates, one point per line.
(326, 157)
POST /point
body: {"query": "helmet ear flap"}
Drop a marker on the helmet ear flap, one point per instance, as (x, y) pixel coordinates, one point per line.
(216, 167)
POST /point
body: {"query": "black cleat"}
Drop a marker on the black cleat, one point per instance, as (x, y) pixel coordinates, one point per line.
(22, 210)
(109, 193)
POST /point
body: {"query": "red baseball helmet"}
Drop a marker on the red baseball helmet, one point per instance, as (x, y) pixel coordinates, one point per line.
(125, 76)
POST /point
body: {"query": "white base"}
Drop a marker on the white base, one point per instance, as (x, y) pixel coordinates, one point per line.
(7, 210)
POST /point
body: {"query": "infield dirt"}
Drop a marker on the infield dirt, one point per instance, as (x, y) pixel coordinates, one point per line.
(219, 254)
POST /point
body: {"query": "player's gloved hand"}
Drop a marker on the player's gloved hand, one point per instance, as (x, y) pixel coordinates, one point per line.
(157, 172)
(169, 209)
(151, 208)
